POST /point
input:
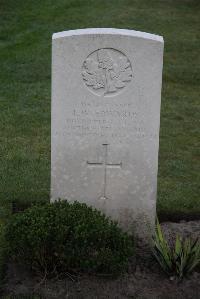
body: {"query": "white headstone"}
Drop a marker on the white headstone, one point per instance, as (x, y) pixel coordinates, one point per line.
(106, 93)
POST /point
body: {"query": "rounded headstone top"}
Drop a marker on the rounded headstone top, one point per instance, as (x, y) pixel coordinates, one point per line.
(109, 31)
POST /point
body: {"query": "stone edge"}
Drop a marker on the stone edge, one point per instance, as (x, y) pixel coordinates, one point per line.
(110, 31)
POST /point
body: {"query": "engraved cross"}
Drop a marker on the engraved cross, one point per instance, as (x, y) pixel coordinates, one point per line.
(106, 165)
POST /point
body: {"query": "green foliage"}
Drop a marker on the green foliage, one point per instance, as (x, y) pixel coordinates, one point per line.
(25, 81)
(62, 237)
(3, 253)
(177, 261)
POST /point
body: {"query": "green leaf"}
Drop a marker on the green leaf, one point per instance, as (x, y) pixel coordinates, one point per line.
(180, 260)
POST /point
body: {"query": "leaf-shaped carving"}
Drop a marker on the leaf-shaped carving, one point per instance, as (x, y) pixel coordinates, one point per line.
(91, 65)
(118, 82)
(122, 70)
(107, 69)
(92, 75)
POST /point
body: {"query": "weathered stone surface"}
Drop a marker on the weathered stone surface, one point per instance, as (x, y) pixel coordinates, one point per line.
(106, 91)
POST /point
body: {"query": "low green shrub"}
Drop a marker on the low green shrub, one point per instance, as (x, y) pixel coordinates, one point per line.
(63, 236)
(177, 261)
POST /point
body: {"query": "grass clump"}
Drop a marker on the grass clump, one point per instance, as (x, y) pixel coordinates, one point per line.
(62, 236)
(180, 260)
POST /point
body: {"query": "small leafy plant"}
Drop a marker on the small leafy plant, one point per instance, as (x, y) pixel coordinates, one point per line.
(67, 237)
(180, 260)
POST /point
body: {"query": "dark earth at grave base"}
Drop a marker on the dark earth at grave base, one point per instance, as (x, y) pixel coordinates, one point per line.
(144, 279)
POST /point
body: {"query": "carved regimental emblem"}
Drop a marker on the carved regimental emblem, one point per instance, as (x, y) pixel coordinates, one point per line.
(106, 71)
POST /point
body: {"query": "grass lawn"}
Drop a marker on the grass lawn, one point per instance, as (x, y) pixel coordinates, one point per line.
(25, 94)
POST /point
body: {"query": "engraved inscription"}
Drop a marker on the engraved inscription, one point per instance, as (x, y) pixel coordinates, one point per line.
(119, 122)
(106, 71)
(105, 164)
